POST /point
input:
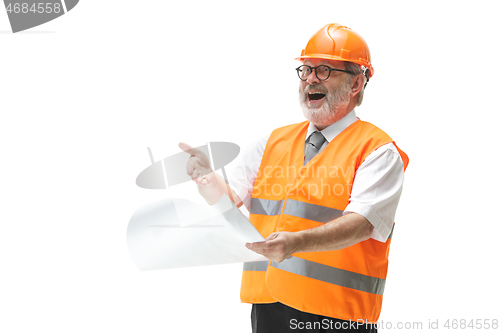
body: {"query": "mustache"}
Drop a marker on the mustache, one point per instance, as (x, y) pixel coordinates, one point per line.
(303, 93)
(316, 87)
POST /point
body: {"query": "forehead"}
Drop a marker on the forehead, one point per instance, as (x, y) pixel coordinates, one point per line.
(330, 63)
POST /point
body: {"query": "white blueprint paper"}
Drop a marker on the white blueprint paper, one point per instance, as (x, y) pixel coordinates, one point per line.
(157, 239)
(198, 212)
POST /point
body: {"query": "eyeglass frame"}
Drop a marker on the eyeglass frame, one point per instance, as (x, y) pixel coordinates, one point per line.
(316, 72)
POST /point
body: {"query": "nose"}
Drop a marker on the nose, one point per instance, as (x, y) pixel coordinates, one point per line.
(312, 78)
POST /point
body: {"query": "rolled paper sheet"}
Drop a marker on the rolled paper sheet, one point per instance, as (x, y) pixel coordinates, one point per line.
(156, 238)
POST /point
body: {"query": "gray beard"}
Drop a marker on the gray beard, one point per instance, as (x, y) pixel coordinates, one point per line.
(335, 104)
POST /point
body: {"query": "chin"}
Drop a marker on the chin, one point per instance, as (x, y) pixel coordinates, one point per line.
(322, 116)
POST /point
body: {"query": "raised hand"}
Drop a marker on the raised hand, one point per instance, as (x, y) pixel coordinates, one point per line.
(198, 166)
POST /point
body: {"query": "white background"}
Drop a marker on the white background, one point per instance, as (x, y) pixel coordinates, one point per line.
(82, 97)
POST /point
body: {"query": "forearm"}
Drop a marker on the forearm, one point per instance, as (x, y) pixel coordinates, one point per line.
(335, 235)
(216, 188)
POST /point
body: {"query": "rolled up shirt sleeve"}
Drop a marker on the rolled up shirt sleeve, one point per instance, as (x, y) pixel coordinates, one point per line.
(376, 190)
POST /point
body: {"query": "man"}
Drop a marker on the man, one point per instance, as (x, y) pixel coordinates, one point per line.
(324, 194)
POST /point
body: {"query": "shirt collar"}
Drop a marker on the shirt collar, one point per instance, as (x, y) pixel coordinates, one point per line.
(336, 128)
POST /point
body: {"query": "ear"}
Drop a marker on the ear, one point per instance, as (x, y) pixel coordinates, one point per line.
(357, 84)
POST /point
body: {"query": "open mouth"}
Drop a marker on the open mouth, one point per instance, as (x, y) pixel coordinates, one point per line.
(315, 96)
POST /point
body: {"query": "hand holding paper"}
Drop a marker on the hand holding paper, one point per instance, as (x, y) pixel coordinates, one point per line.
(277, 247)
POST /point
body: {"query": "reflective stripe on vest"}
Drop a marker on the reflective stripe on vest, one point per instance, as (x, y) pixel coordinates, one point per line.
(311, 212)
(257, 266)
(265, 207)
(294, 208)
(298, 209)
(332, 275)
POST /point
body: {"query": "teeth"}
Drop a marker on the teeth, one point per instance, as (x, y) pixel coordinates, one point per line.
(316, 92)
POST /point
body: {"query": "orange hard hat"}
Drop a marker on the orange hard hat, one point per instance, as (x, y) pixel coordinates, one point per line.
(338, 42)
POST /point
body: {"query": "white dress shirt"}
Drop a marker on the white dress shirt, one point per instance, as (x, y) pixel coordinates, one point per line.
(376, 189)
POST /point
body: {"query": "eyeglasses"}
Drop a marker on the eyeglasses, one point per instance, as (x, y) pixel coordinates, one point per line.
(322, 72)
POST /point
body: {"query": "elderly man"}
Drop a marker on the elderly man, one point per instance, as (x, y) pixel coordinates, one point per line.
(324, 193)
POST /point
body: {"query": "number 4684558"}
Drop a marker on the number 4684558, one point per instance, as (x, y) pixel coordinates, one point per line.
(36, 8)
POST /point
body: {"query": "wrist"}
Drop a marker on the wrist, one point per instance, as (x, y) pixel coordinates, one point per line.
(299, 241)
(213, 189)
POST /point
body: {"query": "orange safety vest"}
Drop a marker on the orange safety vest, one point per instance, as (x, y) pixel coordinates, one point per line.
(287, 196)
